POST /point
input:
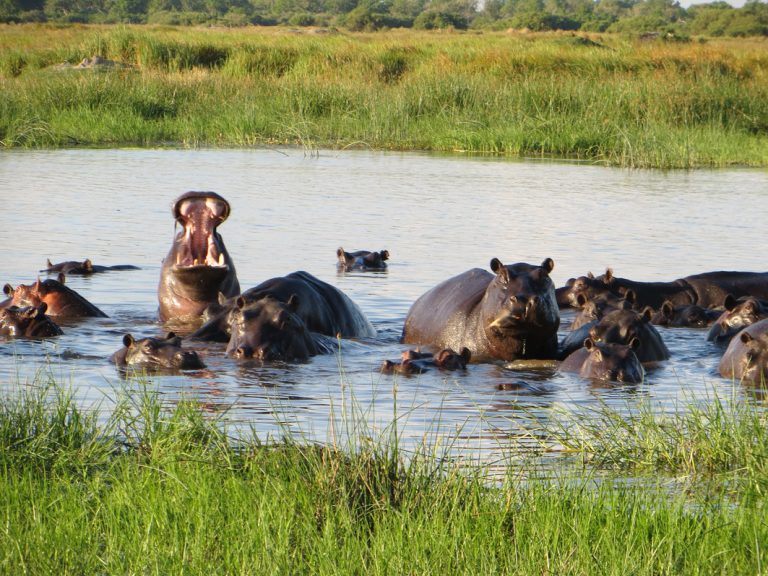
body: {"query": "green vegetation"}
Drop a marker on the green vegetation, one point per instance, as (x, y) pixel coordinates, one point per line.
(602, 98)
(664, 17)
(161, 489)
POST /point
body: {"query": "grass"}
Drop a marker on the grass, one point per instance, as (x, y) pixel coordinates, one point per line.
(153, 488)
(604, 99)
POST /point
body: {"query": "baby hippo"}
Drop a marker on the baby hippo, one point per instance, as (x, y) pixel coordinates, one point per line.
(610, 362)
(156, 354)
(27, 322)
(362, 260)
(414, 362)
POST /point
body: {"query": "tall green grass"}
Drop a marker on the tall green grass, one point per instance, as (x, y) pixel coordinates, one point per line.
(604, 99)
(157, 488)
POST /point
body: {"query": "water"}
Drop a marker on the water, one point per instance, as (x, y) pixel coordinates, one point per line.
(437, 216)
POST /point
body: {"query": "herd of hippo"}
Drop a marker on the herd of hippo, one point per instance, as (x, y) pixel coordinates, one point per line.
(510, 312)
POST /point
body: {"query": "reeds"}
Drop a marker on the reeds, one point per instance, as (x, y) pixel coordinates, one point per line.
(151, 487)
(602, 98)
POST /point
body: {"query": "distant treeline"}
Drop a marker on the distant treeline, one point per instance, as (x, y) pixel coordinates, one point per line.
(656, 17)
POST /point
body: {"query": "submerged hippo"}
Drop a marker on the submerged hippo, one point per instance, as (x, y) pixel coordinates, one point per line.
(61, 300)
(322, 307)
(272, 330)
(362, 260)
(746, 358)
(198, 266)
(156, 354)
(83, 268)
(739, 313)
(707, 290)
(414, 362)
(595, 309)
(622, 326)
(686, 315)
(27, 322)
(602, 361)
(506, 315)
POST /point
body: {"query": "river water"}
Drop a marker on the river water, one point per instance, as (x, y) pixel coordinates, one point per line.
(438, 216)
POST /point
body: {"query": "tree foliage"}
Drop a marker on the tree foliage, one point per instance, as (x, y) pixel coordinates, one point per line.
(662, 17)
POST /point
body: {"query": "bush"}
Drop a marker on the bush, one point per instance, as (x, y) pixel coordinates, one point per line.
(435, 20)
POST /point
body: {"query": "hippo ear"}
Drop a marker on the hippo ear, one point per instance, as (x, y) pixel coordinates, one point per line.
(293, 303)
(646, 314)
(128, 340)
(500, 270)
(746, 337)
(8, 290)
(49, 263)
(730, 302)
(43, 307)
(61, 278)
(608, 278)
(667, 309)
(466, 354)
(240, 302)
(384, 254)
(222, 298)
(630, 296)
(590, 275)
(548, 265)
(634, 343)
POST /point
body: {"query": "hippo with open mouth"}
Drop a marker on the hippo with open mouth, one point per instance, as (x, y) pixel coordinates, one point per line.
(198, 266)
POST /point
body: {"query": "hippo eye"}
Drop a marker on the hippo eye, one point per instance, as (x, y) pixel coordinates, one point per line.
(148, 347)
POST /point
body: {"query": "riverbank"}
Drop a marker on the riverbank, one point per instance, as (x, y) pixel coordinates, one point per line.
(599, 98)
(162, 489)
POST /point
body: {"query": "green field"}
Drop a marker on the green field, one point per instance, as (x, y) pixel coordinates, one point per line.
(601, 98)
(157, 489)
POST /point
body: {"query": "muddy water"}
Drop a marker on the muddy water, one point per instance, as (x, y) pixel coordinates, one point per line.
(437, 216)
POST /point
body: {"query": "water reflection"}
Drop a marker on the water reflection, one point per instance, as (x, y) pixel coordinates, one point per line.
(437, 217)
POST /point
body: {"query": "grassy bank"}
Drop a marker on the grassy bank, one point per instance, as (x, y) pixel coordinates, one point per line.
(153, 489)
(604, 99)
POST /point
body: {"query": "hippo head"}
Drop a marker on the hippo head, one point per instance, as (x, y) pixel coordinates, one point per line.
(448, 359)
(687, 315)
(622, 326)
(27, 321)
(519, 311)
(739, 313)
(269, 330)
(612, 362)
(198, 265)
(584, 288)
(157, 354)
(746, 358)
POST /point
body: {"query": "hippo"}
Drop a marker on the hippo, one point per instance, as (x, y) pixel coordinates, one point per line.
(602, 361)
(621, 326)
(596, 308)
(505, 315)
(84, 268)
(156, 354)
(708, 290)
(322, 307)
(415, 362)
(198, 266)
(739, 313)
(362, 260)
(272, 330)
(27, 322)
(61, 300)
(746, 358)
(686, 315)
